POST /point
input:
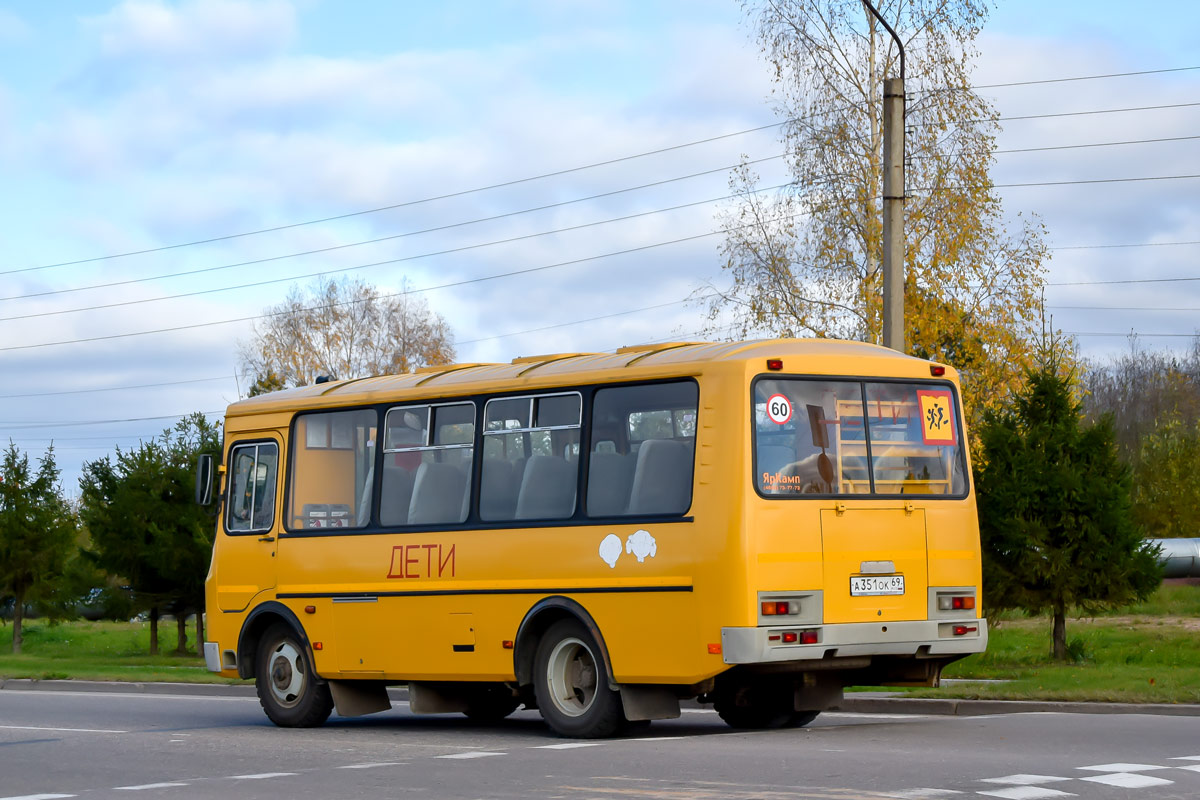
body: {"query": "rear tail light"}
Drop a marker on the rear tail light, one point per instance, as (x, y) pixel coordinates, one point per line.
(956, 602)
(963, 630)
(779, 608)
(795, 637)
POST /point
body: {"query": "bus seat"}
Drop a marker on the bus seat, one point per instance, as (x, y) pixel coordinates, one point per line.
(498, 490)
(610, 478)
(395, 494)
(662, 480)
(547, 489)
(437, 494)
(362, 515)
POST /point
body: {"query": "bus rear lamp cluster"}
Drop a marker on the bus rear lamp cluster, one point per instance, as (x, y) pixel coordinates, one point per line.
(956, 602)
(794, 637)
(780, 608)
(963, 630)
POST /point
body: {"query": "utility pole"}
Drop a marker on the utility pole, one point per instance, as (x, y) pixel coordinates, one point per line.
(893, 200)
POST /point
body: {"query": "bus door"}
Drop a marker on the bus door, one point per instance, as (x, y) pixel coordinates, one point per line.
(250, 525)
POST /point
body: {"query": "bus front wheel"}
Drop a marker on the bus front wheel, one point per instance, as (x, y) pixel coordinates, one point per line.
(287, 687)
(570, 682)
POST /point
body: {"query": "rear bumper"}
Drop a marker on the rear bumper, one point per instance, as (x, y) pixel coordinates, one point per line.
(918, 638)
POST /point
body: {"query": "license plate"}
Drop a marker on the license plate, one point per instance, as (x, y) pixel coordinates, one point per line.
(876, 584)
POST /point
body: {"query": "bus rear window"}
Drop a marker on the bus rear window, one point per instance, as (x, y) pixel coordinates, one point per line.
(831, 437)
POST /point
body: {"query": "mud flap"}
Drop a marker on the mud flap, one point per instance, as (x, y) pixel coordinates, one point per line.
(642, 702)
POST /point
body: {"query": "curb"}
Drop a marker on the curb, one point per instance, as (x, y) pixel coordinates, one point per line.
(858, 702)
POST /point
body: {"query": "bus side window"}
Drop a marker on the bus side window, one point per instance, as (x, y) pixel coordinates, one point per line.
(643, 449)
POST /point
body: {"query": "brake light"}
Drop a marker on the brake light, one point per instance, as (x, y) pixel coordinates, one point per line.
(937, 370)
(774, 364)
(963, 630)
(808, 637)
(956, 602)
(790, 637)
(777, 608)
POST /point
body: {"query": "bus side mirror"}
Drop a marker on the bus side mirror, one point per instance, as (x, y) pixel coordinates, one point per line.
(204, 480)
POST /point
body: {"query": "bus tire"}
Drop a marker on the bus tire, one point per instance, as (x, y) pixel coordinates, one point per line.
(288, 688)
(491, 703)
(757, 706)
(571, 684)
(801, 718)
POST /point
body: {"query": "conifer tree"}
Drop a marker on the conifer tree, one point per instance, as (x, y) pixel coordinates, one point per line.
(1055, 512)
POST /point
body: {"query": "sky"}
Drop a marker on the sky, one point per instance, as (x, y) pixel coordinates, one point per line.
(142, 125)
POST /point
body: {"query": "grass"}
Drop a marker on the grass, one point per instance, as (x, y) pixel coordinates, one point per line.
(100, 651)
(1146, 653)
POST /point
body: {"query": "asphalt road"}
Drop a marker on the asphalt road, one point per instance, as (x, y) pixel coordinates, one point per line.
(58, 744)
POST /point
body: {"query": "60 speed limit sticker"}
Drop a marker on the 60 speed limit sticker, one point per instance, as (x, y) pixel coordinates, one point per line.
(779, 409)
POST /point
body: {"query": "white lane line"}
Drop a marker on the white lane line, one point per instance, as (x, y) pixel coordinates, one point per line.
(1027, 793)
(146, 786)
(921, 794)
(1025, 780)
(372, 765)
(475, 754)
(857, 715)
(261, 776)
(1128, 780)
(61, 730)
(39, 797)
(568, 745)
(1193, 768)
(1185, 758)
(143, 695)
(669, 738)
(1123, 767)
(697, 711)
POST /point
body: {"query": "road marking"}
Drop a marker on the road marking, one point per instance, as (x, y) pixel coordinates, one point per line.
(474, 754)
(39, 797)
(1027, 793)
(568, 745)
(1123, 767)
(1128, 780)
(146, 786)
(1186, 758)
(62, 730)
(666, 738)
(372, 765)
(261, 776)
(921, 794)
(1193, 768)
(1025, 780)
(143, 695)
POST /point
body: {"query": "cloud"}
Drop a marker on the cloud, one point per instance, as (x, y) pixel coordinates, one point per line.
(194, 30)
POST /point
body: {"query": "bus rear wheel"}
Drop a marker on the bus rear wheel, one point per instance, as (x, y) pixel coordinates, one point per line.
(287, 687)
(570, 683)
(759, 706)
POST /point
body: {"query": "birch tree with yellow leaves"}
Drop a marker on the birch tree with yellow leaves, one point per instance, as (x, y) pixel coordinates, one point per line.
(806, 261)
(344, 329)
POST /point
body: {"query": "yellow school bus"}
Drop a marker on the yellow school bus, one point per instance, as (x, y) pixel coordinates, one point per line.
(599, 535)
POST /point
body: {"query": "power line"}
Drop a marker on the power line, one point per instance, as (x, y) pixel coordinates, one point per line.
(1082, 78)
(114, 388)
(1116, 308)
(453, 284)
(404, 204)
(1087, 113)
(570, 170)
(401, 259)
(1134, 333)
(41, 425)
(1124, 281)
(1115, 246)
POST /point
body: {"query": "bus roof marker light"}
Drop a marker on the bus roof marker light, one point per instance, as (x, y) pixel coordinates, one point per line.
(937, 370)
(774, 364)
